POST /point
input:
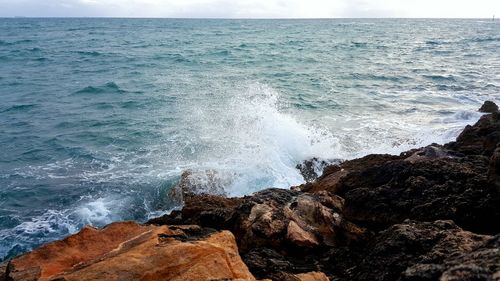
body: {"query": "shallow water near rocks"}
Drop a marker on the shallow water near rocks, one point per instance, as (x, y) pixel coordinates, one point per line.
(100, 117)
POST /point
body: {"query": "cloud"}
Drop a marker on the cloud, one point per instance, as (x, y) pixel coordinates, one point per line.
(251, 8)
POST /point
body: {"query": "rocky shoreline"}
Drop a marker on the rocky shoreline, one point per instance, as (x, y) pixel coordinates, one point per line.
(431, 213)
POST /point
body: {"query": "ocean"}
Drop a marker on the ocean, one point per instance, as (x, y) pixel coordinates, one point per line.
(100, 117)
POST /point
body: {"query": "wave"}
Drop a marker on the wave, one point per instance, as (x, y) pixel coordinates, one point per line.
(90, 53)
(362, 77)
(19, 108)
(433, 42)
(54, 224)
(24, 41)
(359, 44)
(179, 58)
(484, 39)
(438, 77)
(110, 87)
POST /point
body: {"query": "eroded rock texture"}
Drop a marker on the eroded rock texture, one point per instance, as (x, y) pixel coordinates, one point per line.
(129, 251)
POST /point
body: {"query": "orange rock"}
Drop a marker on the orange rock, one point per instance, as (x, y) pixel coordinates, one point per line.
(312, 276)
(299, 236)
(129, 251)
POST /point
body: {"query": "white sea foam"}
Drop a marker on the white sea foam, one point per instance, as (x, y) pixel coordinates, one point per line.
(251, 140)
(100, 211)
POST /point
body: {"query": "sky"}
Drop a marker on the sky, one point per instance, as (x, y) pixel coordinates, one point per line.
(251, 8)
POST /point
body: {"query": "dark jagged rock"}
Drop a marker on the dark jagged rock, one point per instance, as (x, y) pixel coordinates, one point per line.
(313, 168)
(334, 173)
(432, 151)
(426, 251)
(480, 139)
(494, 169)
(456, 189)
(488, 107)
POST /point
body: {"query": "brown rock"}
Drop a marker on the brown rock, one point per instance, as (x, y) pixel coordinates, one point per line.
(333, 174)
(431, 152)
(199, 182)
(488, 107)
(299, 236)
(494, 169)
(479, 139)
(312, 276)
(274, 228)
(128, 251)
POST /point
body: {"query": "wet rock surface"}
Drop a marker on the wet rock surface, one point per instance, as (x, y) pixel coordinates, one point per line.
(313, 168)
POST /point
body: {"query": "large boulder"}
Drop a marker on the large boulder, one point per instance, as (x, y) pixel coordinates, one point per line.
(129, 251)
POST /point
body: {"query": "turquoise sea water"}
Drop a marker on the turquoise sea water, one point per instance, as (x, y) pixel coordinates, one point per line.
(99, 117)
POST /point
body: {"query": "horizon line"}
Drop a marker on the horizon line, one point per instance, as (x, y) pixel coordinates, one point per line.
(232, 18)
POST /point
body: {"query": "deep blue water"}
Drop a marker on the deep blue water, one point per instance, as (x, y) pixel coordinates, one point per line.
(99, 117)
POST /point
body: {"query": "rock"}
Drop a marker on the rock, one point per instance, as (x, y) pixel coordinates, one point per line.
(311, 169)
(334, 173)
(129, 251)
(267, 263)
(494, 169)
(488, 107)
(273, 224)
(455, 189)
(4, 271)
(298, 236)
(200, 182)
(479, 139)
(312, 276)
(309, 276)
(429, 251)
(431, 152)
(265, 217)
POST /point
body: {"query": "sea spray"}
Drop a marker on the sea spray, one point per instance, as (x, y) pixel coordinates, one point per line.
(252, 140)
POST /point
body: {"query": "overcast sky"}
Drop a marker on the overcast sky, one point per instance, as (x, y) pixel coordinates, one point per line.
(251, 8)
